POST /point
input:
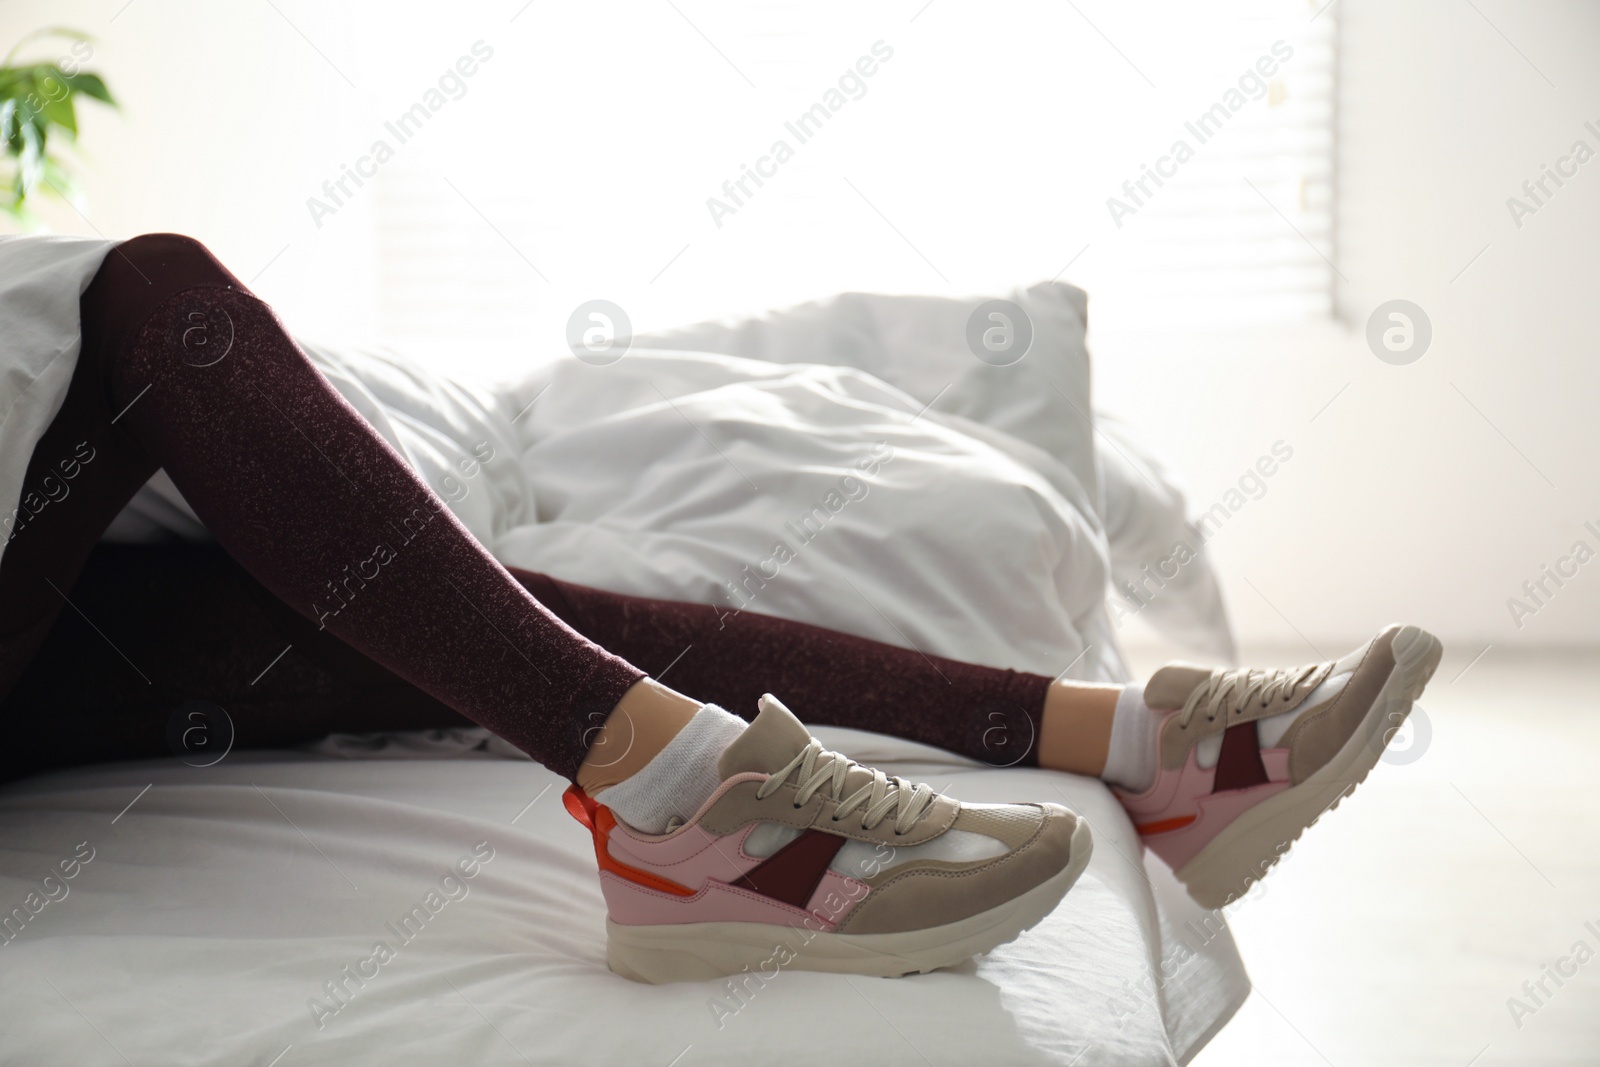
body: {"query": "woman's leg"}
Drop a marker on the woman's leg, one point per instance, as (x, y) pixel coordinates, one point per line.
(222, 664)
(198, 378)
(1189, 753)
(1002, 717)
(183, 369)
(201, 629)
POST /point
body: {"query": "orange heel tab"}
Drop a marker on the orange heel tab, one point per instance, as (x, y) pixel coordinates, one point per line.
(599, 821)
(580, 806)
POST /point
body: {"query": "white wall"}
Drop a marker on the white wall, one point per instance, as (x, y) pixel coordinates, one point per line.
(1401, 501)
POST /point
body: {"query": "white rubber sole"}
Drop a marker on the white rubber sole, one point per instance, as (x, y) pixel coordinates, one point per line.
(699, 951)
(1243, 853)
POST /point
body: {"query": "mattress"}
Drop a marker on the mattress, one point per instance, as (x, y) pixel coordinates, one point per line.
(424, 899)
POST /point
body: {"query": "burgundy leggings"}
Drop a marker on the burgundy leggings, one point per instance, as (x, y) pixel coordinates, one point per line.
(380, 608)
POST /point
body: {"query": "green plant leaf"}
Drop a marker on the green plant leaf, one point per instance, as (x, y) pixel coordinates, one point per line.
(50, 82)
(25, 92)
(38, 101)
(90, 85)
(30, 162)
(62, 114)
(15, 145)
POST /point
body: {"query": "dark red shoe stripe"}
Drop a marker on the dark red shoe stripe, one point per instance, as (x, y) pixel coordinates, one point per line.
(793, 873)
(1240, 766)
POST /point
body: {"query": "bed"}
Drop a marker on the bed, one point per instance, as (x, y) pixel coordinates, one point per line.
(293, 907)
(222, 905)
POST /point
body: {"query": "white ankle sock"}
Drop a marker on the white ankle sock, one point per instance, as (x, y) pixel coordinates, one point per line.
(679, 778)
(1132, 760)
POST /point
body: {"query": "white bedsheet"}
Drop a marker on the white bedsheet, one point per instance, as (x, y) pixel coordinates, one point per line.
(217, 906)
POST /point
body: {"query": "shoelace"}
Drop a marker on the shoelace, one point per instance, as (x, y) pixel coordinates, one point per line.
(1232, 691)
(878, 795)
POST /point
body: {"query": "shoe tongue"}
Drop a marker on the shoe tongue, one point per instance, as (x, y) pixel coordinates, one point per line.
(767, 744)
(1170, 686)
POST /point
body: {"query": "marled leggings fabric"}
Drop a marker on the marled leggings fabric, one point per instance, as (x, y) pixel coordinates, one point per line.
(183, 369)
(316, 512)
(205, 633)
(827, 678)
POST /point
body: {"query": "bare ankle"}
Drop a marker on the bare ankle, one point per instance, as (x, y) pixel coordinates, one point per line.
(648, 716)
(1075, 726)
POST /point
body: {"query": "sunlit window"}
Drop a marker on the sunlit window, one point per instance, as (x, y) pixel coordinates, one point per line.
(697, 158)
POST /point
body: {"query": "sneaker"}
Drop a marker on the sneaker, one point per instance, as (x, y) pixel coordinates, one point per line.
(805, 859)
(1250, 758)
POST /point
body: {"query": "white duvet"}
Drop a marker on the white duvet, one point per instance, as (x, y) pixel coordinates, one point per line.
(807, 489)
(849, 464)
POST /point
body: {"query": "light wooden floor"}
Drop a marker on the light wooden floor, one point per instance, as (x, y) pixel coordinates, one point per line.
(1401, 923)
